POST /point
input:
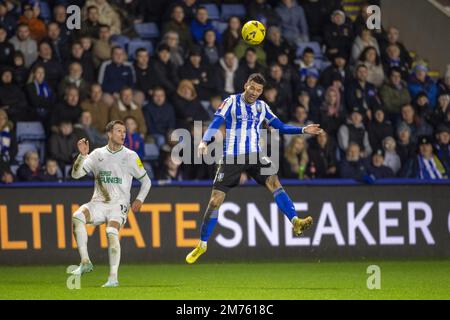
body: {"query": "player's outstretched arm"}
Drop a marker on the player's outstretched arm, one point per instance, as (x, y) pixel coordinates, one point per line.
(77, 169)
(209, 134)
(288, 129)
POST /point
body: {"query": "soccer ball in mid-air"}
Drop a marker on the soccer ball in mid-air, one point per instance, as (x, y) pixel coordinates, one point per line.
(253, 32)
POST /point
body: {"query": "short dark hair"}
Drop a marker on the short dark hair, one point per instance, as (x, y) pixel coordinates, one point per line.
(258, 78)
(141, 49)
(111, 124)
(308, 50)
(395, 69)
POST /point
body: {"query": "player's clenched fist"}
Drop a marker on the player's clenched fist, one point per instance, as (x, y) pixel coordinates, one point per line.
(83, 146)
(202, 148)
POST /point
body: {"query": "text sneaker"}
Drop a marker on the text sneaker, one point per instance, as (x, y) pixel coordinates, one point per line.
(83, 268)
(300, 225)
(196, 253)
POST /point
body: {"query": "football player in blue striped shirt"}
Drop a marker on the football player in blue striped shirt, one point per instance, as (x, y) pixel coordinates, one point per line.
(244, 115)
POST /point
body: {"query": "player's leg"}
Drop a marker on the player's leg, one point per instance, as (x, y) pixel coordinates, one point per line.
(209, 222)
(286, 205)
(79, 220)
(112, 232)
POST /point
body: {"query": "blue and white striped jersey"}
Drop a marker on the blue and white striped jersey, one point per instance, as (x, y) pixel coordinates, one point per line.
(243, 124)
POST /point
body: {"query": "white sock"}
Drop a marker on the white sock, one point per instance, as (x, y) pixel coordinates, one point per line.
(203, 244)
(293, 219)
(79, 229)
(114, 252)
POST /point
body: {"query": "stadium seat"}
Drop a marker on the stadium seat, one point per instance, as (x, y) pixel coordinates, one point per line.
(229, 10)
(120, 40)
(220, 26)
(30, 131)
(46, 13)
(23, 148)
(315, 46)
(151, 152)
(147, 30)
(134, 45)
(213, 11)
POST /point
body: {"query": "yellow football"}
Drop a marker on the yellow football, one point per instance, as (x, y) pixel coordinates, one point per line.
(253, 32)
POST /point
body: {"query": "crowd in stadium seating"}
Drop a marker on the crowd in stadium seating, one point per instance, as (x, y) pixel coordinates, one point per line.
(160, 65)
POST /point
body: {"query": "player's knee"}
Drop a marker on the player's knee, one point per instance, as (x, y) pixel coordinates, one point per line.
(216, 201)
(113, 237)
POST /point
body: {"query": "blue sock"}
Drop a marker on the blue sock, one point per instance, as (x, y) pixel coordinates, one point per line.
(284, 203)
(209, 222)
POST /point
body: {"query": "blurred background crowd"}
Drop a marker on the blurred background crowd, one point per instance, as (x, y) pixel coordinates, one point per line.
(159, 65)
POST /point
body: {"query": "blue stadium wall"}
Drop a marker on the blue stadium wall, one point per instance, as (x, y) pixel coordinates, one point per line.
(352, 221)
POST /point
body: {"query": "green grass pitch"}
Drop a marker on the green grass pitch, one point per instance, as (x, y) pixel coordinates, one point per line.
(287, 280)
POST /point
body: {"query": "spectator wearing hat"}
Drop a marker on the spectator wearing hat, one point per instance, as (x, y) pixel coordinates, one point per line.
(275, 44)
(442, 146)
(421, 104)
(199, 73)
(166, 74)
(377, 169)
(7, 20)
(379, 128)
(23, 42)
(38, 29)
(200, 24)
(420, 81)
(294, 25)
(406, 148)
(417, 125)
(353, 166)
(391, 158)
(177, 24)
(425, 165)
(314, 89)
(354, 131)
(362, 94)
(339, 69)
(6, 48)
(394, 93)
(338, 35)
(247, 66)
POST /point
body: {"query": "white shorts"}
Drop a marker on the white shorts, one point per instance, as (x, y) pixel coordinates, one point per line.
(104, 212)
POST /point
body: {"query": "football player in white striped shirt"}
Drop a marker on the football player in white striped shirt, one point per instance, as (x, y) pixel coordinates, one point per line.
(114, 167)
(243, 115)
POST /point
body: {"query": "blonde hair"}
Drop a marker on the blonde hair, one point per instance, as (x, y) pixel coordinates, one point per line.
(296, 159)
(8, 124)
(186, 83)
